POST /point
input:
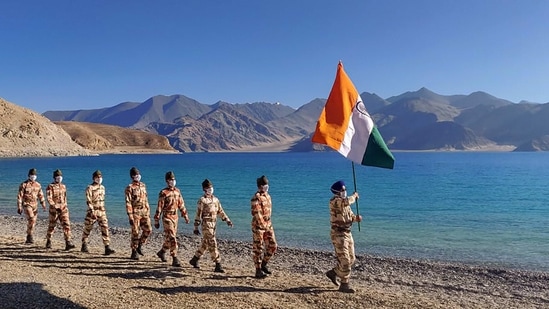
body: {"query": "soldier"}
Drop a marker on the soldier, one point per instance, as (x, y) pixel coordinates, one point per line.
(169, 201)
(29, 191)
(264, 241)
(139, 213)
(95, 198)
(57, 198)
(341, 220)
(207, 210)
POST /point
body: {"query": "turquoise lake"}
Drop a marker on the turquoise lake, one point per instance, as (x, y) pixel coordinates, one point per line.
(474, 207)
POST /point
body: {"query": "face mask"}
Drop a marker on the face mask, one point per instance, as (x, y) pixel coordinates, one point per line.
(32, 177)
(265, 188)
(343, 194)
(58, 179)
(210, 190)
(98, 180)
(171, 183)
(137, 178)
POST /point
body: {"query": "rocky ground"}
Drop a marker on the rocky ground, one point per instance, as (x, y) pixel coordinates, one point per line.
(34, 277)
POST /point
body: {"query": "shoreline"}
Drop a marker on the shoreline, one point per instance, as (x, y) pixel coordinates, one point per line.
(33, 277)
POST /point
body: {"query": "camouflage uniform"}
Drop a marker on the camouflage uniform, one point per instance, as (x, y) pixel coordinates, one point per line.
(138, 210)
(169, 201)
(341, 220)
(57, 198)
(264, 241)
(95, 199)
(29, 192)
(207, 210)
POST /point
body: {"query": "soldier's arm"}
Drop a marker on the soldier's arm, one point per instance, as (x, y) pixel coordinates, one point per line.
(257, 211)
(20, 197)
(89, 195)
(159, 206)
(128, 199)
(49, 195)
(41, 197)
(198, 216)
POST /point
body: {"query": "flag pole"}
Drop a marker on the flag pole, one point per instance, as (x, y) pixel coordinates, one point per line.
(354, 182)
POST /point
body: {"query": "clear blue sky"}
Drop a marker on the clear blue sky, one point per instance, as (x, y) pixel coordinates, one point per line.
(67, 54)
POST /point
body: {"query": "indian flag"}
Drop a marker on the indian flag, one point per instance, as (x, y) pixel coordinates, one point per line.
(346, 126)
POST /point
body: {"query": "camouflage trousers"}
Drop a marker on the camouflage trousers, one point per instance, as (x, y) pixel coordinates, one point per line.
(344, 246)
(170, 234)
(141, 220)
(63, 217)
(32, 215)
(102, 221)
(209, 242)
(264, 245)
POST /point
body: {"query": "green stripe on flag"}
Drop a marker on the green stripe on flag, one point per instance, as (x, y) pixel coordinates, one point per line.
(377, 154)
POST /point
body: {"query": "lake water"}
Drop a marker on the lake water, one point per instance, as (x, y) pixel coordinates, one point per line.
(473, 207)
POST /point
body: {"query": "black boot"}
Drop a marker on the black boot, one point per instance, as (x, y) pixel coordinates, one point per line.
(29, 240)
(333, 276)
(84, 247)
(69, 245)
(259, 274)
(162, 255)
(139, 250)
(134, 255)
(346, 288)
(175, 262)
(48, 244)
(264, 268)
(108, 250)
(218, 268)
(194, 262)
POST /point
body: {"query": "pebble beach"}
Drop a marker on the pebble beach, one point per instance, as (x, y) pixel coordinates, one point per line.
(32, 276)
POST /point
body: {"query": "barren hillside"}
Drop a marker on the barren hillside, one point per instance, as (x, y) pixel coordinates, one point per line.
(25, 133)
(105, 138)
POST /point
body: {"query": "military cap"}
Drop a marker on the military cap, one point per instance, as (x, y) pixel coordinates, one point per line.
(261, 181)
(170, 175)
(57, 172)
(97, 174)
(206, 184)
(32, 171)
(134, 171)
(337, 187)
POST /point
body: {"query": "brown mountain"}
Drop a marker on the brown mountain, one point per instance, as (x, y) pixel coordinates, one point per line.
(25, 133)
(105, 138)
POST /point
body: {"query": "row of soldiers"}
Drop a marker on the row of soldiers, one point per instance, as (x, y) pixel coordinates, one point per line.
(170, 200)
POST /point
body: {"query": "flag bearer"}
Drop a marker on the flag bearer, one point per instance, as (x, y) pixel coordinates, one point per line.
(341, 220)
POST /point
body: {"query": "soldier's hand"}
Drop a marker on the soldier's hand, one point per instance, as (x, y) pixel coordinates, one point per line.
(43, 207)
(131, 222)
(358, 218)
(229, 223)
(19, 210)
(187, 219)
(196, 232)
(356, 195)
(156, 224)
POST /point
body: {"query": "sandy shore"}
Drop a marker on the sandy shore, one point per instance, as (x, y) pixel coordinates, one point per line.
(34, 277)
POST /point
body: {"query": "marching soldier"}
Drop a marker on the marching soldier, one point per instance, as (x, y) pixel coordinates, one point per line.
(264, 241)
(139, 213)
(95, 199)
(29, 192)
(57, 198)
(208, 208)
(341, 220)
(169, 201)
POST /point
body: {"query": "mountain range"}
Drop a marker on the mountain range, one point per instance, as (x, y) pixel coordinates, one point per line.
(417, 120)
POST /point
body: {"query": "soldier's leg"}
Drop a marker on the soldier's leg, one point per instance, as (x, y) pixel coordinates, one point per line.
(341, 243)
(257, 247)
(88, 226)
(211, 243)
(104, 226)
(31, 214)
(271, 245)
(170, 236)
(66, 224)
(52, 218)
(146, 227)
(134, 240)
